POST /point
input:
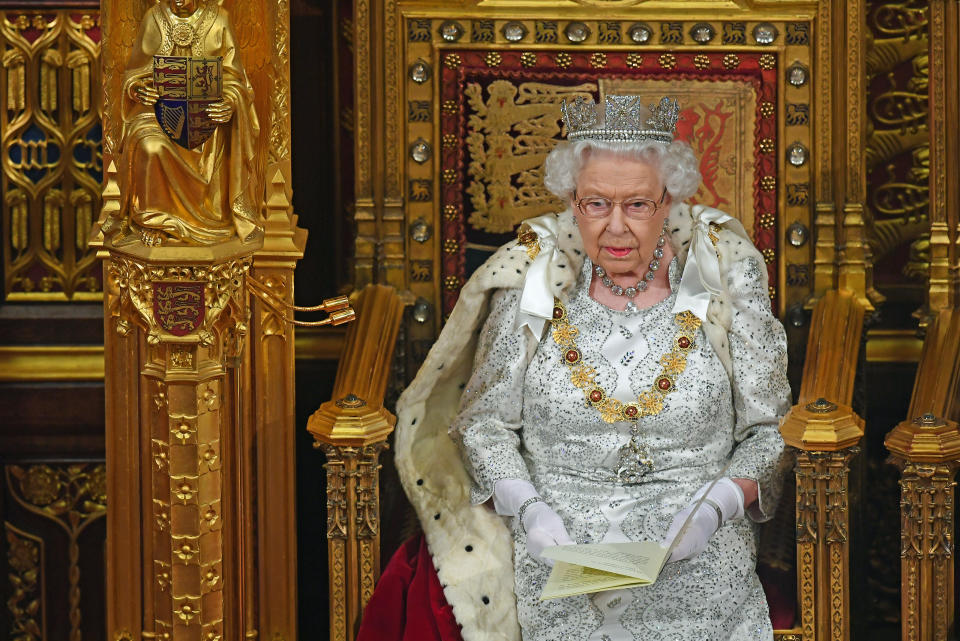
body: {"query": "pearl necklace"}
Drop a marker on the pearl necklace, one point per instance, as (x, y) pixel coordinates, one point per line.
(652, 267)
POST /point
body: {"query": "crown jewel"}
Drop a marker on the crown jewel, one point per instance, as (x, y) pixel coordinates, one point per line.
(623, 119)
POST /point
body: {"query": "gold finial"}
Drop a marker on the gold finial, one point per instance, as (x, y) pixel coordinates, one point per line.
(821, 406)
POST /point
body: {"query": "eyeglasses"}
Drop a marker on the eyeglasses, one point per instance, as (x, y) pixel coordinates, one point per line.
(633, 208)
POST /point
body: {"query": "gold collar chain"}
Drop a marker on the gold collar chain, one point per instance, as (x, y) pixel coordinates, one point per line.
(583, 376)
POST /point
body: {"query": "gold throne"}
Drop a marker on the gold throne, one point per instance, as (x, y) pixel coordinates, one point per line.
(456, 108)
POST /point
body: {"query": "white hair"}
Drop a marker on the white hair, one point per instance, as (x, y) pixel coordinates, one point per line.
(676, 163)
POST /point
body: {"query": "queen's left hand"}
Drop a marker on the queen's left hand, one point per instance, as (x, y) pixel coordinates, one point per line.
(220, 111)
(723, 502)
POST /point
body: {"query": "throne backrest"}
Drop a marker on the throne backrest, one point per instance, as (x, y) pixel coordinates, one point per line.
(499, 122)
(476, 109)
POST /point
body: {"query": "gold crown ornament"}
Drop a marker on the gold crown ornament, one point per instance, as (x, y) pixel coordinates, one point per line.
(622, 119)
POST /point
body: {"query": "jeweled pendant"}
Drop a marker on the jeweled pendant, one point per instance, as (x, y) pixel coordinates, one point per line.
(631, 308)
(635, 462)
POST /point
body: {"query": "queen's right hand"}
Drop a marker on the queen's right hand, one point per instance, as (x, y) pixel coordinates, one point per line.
(145, 93)
(544, 528)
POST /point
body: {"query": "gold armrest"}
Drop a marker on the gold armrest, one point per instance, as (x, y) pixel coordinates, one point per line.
(355, 415)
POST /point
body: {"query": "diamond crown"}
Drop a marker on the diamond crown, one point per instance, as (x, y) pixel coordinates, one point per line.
(623, 119)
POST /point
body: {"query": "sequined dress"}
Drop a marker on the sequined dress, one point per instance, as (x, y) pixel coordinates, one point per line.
(522, 417)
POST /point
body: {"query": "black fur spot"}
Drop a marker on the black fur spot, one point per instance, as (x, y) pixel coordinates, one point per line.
(562, 266)
(518, 271)
(469, 548)
(485, 599)
(436, 517)
(414, 421)
(419, 481)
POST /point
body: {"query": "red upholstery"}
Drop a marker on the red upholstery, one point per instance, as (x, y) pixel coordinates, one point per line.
(408, 602)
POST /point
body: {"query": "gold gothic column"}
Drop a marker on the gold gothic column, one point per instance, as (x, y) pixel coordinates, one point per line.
(352, 431)
(944, 157)
(855, 271)
(175, 329)
(825, 434)
(199, 242)
(927, 451)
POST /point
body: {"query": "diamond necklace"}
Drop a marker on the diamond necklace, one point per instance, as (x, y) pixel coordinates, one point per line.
(652, 267)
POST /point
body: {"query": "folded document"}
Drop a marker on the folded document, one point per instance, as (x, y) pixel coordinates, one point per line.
(594, 567)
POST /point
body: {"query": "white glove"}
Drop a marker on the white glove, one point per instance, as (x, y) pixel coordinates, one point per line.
(723, 502)
(543, 526)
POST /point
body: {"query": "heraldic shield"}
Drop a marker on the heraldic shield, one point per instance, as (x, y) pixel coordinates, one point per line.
(178, 306)
(186, 86)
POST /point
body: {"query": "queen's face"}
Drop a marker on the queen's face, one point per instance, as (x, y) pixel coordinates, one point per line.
(616, 242)
(183, 7)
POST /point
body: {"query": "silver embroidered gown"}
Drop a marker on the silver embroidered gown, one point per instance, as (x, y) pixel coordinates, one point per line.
(521, 417)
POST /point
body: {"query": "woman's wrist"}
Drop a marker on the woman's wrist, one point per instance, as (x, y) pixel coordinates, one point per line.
(750, 489)
(523, 508)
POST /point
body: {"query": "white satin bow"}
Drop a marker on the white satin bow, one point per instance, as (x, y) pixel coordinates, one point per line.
(536, 301)
(701, 274)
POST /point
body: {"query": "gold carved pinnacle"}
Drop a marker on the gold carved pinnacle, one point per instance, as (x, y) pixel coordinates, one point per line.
(925, 439)
(350, 420)
(109, 212)
(821, 426)
(282, 237)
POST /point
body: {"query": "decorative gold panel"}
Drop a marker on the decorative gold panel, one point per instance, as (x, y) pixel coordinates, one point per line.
(51, 154)
(70, 497)
(897, 150)
(26, 603)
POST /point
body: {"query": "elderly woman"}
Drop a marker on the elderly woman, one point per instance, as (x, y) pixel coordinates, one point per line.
(597, 378)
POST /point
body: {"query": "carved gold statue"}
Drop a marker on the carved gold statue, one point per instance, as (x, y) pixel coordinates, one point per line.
(187, 169)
